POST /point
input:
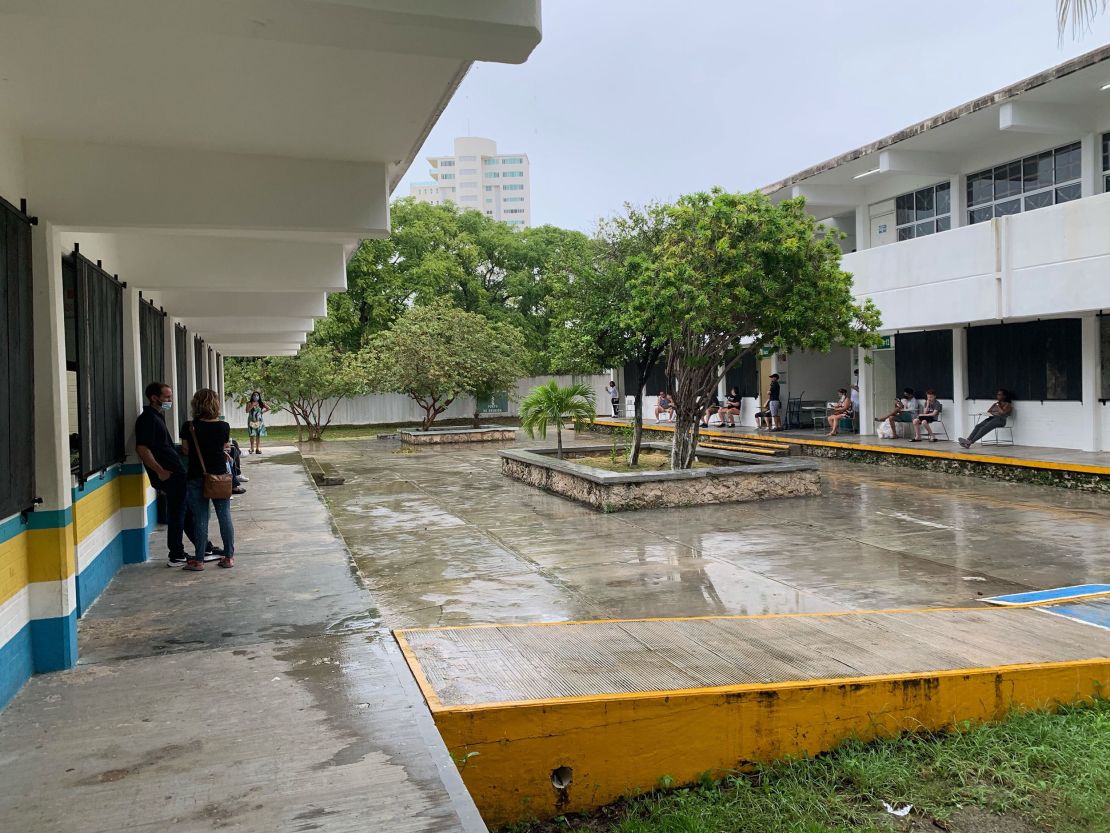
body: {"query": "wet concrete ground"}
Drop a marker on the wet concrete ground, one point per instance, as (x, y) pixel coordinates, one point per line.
(264, 698)
(443, 539)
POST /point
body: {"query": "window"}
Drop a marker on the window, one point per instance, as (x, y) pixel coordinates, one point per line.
(924, 212)
(1104, 344)
(493, 174)
(1044, 179)
(489, 200)
(511, 187)
(515, 222)
(152, 345)
(200, 365)
(468, 159)
(470, 185)
(97, 320)
(468, 172)
(447, 163)
(1034, 360)
(744, 376)
(512, 173)
(469, 198)
(923, 361)
(446, 176)
(489, 212)
(489, 187)
(514, 199)
(1106, 162)
(512, 160)
(489, 161)
(514, 210)
(17, 411)
(181, 392)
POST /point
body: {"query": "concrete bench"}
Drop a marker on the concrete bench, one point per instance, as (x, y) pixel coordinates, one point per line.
(322, 473)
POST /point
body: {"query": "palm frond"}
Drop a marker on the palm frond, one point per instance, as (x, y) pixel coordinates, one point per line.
(1078, 14)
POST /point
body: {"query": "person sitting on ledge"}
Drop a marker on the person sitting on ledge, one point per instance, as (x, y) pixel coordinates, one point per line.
(731, 410)
(664, 406)
(841, 408)
(714, 407)
(930, 413)
(905, 410)
(1001, 408)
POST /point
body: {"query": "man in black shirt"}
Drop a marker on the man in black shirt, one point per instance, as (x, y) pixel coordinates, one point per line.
(155, 447)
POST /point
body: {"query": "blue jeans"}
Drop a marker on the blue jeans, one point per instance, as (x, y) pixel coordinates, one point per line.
(198, 505)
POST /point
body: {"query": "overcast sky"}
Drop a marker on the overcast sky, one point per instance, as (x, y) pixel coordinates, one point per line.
(633, 100)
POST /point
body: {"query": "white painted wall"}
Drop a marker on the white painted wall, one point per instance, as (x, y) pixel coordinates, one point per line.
(378, 409)
(814, 375)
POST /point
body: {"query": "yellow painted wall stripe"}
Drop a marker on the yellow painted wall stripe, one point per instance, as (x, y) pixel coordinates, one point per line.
(617, 746)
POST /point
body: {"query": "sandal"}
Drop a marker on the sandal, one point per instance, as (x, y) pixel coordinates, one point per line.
(227, 561)
(193, 565)
(932, 439)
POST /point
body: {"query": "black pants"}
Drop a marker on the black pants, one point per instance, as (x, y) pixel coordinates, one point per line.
(178, 517)
(616, 406)
(985, 427)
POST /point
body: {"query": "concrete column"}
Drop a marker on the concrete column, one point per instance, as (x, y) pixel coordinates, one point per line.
(1090, 154)
(863, 227)
(213, 380)
(133, 381)
(136, 538)
(52, 560)
(1090, 435)
(190, 371)
(220, 377)
(169, 374)
(959, 425)
(866, 412)
(958, 194)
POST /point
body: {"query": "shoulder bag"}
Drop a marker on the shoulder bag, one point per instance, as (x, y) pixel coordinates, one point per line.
(216, 486)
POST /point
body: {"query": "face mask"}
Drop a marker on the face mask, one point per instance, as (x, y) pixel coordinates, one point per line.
(254, 399)
(167, 406)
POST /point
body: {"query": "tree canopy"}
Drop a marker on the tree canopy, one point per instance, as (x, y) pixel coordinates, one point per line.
(439, 252)
(437, 352)
(733, 273)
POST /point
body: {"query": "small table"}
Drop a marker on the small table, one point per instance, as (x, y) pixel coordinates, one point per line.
(813, 410)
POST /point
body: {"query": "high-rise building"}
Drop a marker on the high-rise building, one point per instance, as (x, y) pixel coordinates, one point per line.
(478, 177)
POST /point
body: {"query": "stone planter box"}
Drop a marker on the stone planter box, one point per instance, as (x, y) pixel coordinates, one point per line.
(441, 436)
(740, 477)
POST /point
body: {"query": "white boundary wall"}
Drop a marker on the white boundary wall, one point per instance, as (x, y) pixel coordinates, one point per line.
(378, 409)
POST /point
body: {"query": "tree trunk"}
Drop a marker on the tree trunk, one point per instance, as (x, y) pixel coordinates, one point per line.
(477, 421)
(637, 430)
(559, 438)
(684, 443)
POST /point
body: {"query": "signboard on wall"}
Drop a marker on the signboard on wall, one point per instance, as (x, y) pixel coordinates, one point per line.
(494, 404)
(887, 343)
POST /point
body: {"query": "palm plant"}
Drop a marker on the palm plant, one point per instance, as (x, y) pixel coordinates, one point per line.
(1077, 13)
(552, 404)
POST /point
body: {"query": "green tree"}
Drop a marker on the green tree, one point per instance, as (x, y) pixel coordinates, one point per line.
(309, 385)
(436, 353)
(734, 273)
(438, 252)
(596, 326)
(551, 404)
(1078, 14)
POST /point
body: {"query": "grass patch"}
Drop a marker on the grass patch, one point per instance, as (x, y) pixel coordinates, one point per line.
(1040, 771)
(649, 461)
(285, 434)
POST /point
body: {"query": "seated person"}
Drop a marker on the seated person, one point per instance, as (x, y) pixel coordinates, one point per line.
(905, 410)
(930, 413)
(840, 409)
(714, 407)
(1001, 408)
(664, 406)
(731, 409)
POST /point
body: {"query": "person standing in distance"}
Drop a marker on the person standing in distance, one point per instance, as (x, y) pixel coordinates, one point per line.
(256, 426)
(614, 396)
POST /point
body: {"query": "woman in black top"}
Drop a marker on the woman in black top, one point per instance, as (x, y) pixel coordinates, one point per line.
(207, 436)
(732, 408)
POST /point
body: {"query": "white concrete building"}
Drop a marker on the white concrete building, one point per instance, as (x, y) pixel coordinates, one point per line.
(478, 177)
(221, 160)
(983, 235)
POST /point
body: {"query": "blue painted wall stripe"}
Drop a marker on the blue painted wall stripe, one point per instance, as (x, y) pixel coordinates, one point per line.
(54, 643)
(16, 664)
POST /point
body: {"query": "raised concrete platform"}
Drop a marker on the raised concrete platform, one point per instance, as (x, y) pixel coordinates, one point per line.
(443, 436)
(729, 477)
(554, 718)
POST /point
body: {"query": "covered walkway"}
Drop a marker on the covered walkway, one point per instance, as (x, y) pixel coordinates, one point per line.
(267, 697)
